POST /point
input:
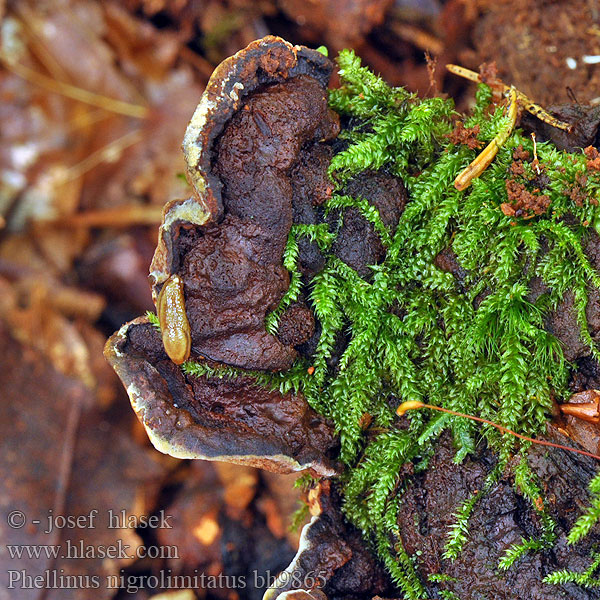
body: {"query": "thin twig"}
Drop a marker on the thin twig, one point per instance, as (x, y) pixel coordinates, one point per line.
(74, 92)
(414, 404)
(109, 153)
(528, 104)
(122, 216)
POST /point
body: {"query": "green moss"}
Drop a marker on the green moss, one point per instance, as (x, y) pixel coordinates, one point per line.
(584, 579)
(153, 319)
(416, 333)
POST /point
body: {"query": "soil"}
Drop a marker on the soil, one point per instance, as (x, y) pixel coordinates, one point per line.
(536, 44)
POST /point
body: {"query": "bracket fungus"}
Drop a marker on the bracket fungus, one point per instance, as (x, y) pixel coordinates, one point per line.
(331, 556)
(243, 279)
(217, 270)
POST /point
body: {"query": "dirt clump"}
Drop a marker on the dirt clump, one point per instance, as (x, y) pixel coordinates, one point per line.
(593, 158)
(522, 202)
(465, 136)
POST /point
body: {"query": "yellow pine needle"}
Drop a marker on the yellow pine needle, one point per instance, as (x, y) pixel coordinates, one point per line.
(528, 104)
(109, 153)
(483, 160)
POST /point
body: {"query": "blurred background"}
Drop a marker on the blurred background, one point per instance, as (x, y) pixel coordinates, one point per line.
(94, 99)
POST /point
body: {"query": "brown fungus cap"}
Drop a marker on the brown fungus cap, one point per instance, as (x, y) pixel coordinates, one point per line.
(263, 62)
(227, 420)
(263, 112)
(332, 559)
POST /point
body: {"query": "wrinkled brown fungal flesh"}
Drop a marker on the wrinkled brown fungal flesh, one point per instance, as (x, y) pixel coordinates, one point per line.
(270, 60)
(331, 555)
(257, 150)
(263, 115)
(213, 419)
